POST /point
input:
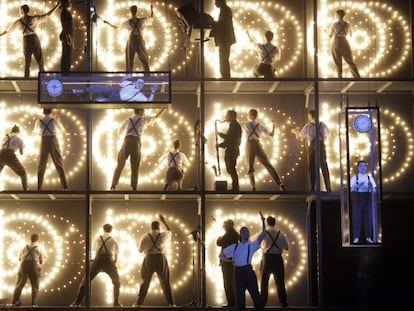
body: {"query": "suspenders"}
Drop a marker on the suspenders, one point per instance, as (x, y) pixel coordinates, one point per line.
(46, 127)
(173, 159)
(134, 124)
(253, 132)
(273, 241)
(103, 246)
(26, 26)
(30, 253)
(135, 28)
(369, 187)
(248, 253)
(154, 245)
(342, 31)
(7, 143)
(267, 56)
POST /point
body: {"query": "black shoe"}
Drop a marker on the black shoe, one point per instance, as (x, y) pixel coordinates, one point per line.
(282, 187)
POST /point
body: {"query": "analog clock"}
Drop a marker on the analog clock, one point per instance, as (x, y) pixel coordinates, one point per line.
(54, 87)
(362, 123)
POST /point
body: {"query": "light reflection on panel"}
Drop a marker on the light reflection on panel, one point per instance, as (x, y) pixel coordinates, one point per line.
(381, 40)
(72, 145)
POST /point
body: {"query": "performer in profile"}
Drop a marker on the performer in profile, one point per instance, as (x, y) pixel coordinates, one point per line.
(135, 43)
(66, 36)
(133, 128)
(27, 24)
(254, 149)
(47, 127)
(155, 261)
(176, 162)
(31, 257)
(10, 145)
(231, 236)
(224, 38)
(106, 256)
(231, 143)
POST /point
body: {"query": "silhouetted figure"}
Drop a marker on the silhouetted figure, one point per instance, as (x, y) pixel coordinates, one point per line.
(66, 36)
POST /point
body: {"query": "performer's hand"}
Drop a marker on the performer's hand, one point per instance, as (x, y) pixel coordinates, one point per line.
(161, 217)
(261, 216)
(154, 88)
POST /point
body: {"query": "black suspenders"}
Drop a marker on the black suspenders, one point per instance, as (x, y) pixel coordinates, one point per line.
(273, 241)
(357, 187)
(254, 128)
(134, 124)
(6, 145)
(248, 253)
(46, 127)
(26, 25)
(173, 159)
(103, 246)
(30, 253)
(154, 245)
(267, 56)
(135, 28)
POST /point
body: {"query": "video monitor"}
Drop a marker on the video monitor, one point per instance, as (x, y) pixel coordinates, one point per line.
(104, 90)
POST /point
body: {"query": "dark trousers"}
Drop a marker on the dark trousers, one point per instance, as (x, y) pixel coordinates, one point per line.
(130, 148)
(224, 55)
(31, 46)
(245, 279)
(66, 59)
(361, 214)
(155, 263)
(29, 269)
(254, 149)
(228, 281)
(230, 158)
(136, 45)
(342, 49)
(324, 166)
(101, 263)
(174, 175)
(8, 157)
(50, 145)
(265, 70)
(273, 264)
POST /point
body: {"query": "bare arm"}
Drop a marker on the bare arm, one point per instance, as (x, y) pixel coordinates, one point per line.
(112, 25)
(272, 133)
(53, 9)
(263, 233)
(162, 219)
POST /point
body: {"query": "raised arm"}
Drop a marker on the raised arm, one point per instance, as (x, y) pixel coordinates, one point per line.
(272, 133)
(263, 233)
(52, 10)
(162, 219)
(108, 23)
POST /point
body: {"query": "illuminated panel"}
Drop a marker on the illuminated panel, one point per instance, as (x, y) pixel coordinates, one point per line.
(277, 147)
(397, 144)
(257, 17)
(25, 117)
(128, 230)
(155, 141)
(58, 237)
(161, 37)
(381, 40)
(295, 257)
(11, 44)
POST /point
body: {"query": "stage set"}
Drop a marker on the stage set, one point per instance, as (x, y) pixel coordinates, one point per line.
(182, 91)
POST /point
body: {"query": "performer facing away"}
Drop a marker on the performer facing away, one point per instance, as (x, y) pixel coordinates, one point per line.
(106, 256)
(66, 36)
(48, 127)
(176, 161)
(309, 132)
(231, 143)
(254, 130)
(230, 237)
(10, 144)
(133, 128)
(31, 257)
(27, 24)
(244, 275)
(363, 187)
(153, 245)
(273, 245)
(135, 43)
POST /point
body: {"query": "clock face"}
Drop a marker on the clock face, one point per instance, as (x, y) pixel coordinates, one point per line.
(362, 123)
(54, 87)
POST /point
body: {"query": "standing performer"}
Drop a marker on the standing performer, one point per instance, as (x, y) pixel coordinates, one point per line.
(230, 237)
(106, 257)
(10, 144)
(135, 43)
(176, 161)
(48, 127)
(254, 148)
(27, 24)
(133, 128)
(31, 258)
(66, 36)
(340, 45)
(244, 275)
(308, 132)
(231, 143)
(273, 244)
(224, 38)
(362, 188)
(153, 245)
